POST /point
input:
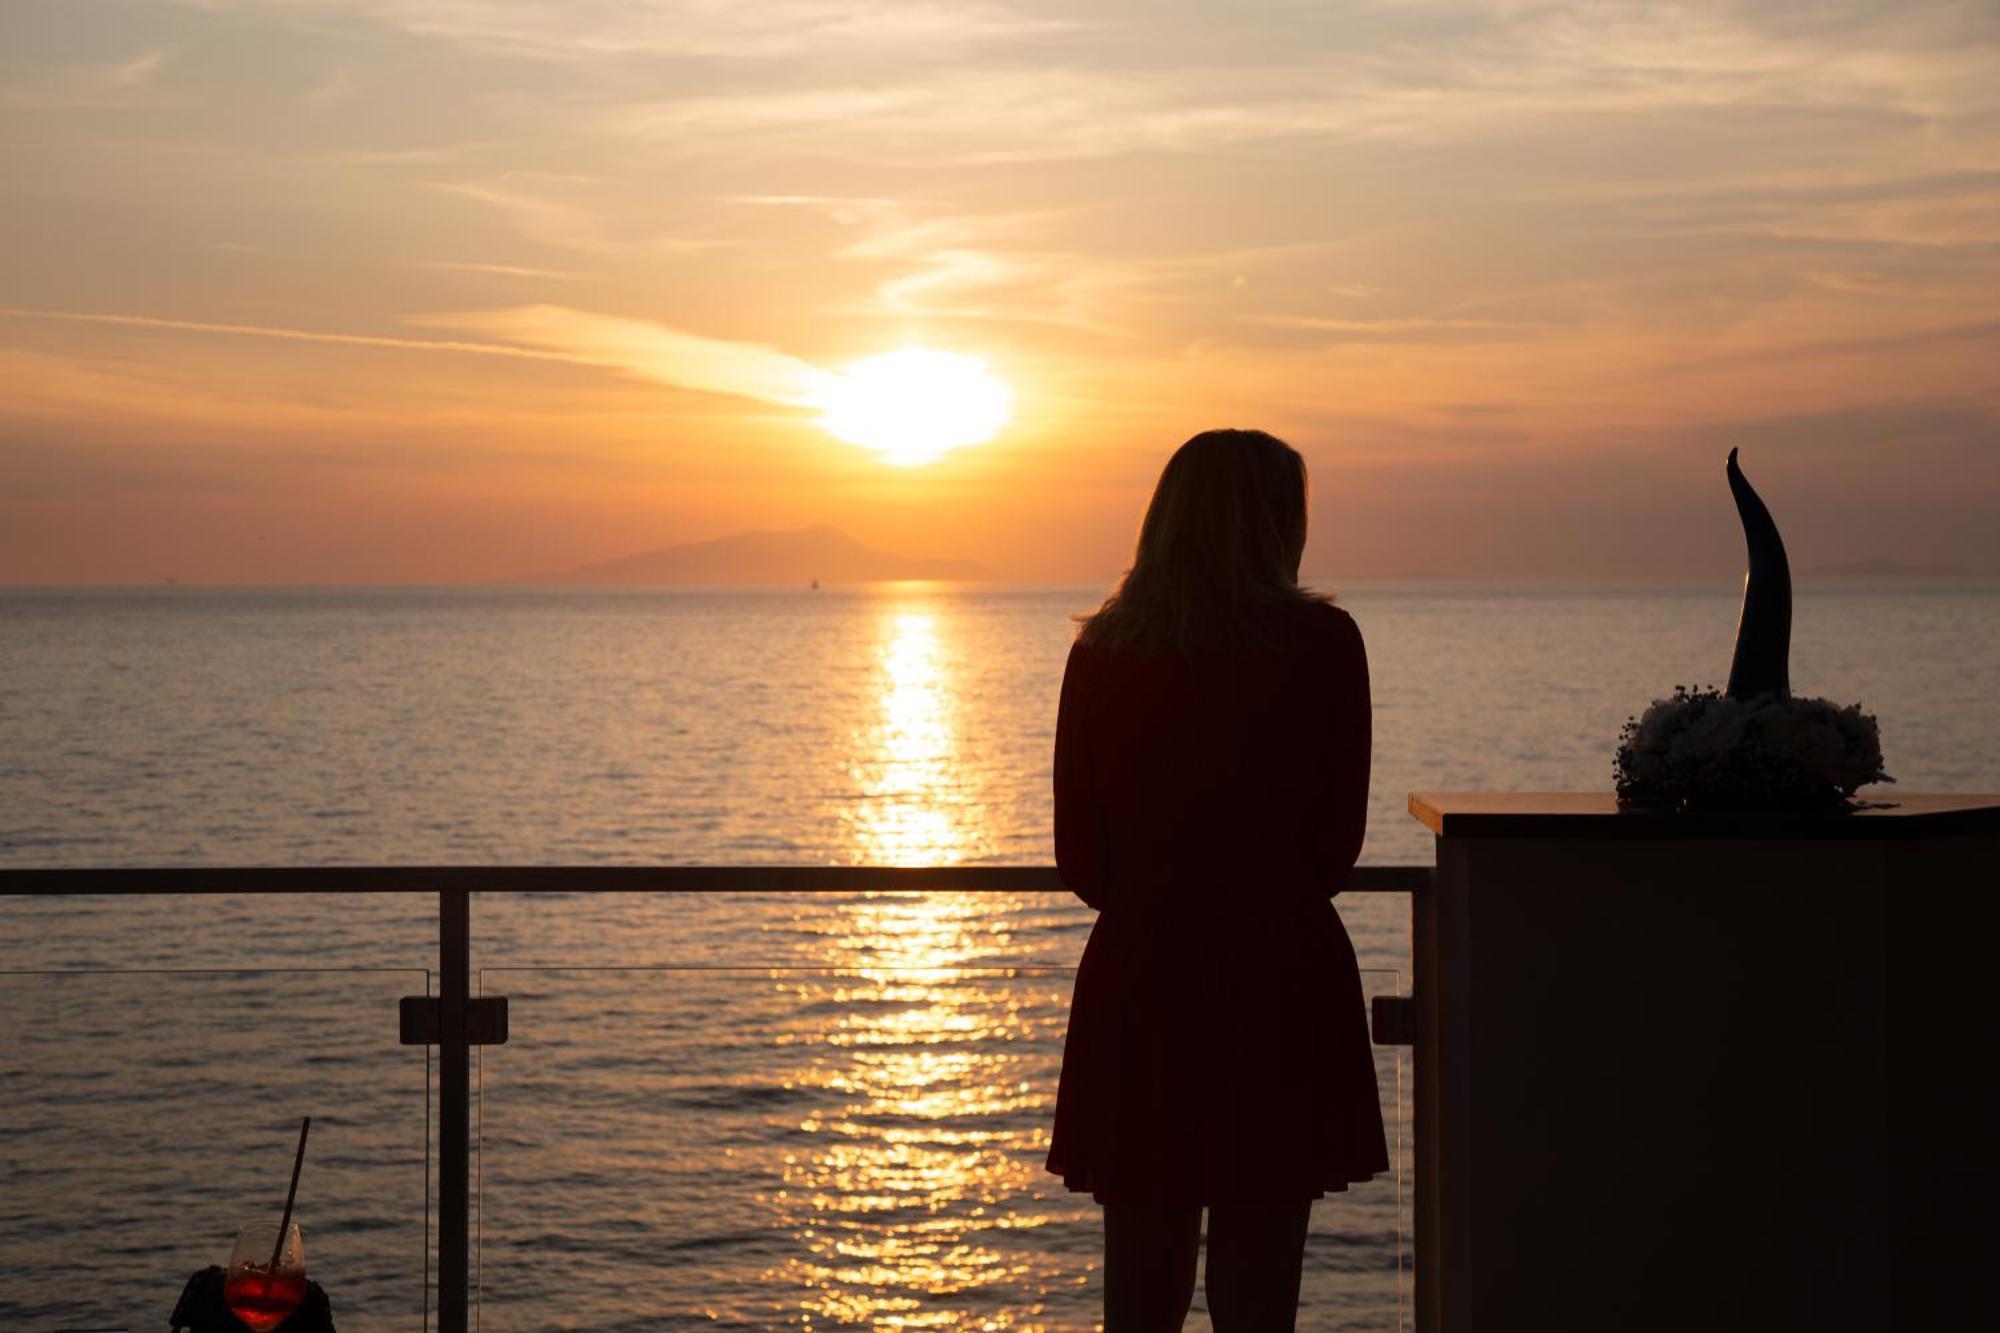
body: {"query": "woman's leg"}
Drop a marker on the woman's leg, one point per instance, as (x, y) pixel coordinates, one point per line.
(1149, 1261)
(1254, 1255)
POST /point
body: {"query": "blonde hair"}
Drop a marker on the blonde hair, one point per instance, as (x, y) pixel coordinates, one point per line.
(1218, 553)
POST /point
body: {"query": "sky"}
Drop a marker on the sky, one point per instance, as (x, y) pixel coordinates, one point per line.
(386, 291)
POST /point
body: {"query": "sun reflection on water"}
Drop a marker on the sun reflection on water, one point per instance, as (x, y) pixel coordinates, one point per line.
(906, 1198)
(907, 1192)
(913, 806)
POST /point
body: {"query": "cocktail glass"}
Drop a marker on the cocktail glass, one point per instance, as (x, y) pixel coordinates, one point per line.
(262, 1295)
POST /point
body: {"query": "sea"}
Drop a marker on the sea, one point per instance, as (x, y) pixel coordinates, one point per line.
(743, 1110)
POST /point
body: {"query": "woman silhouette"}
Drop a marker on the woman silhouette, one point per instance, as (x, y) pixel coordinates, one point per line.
(1211, 787)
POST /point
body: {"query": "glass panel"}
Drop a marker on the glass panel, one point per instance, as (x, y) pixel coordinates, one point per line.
(1357, 1265)
(144, 1116)
(795, 1147)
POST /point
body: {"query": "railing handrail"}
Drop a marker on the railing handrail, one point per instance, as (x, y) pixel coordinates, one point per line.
(588, 879)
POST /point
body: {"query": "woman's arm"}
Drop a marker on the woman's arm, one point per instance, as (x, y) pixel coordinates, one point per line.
(1079, 831)
(1350, 736)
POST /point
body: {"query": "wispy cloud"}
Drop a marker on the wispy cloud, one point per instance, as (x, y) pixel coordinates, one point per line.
(649, 351)
(335, 88)
(1413, 330)
(966, 266)
(122, 81)
(1821, 349)
(584, 214)
(634, 347)
(496, 270)
(134, 73)
(953, 264)
(286, 335)
(567, 30)
(531, 204)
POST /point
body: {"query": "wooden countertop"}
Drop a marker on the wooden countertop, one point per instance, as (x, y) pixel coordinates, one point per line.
(1575, 814)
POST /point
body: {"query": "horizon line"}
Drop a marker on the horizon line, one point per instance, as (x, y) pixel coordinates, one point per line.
(1679, 580)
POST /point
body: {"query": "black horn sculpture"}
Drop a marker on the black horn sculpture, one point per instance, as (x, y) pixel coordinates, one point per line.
(1764, 633)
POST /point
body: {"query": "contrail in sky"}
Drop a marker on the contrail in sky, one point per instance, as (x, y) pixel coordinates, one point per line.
(294, 335)
(572, 337)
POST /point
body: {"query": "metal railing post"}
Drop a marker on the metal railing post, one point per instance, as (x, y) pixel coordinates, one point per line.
(454, 1110)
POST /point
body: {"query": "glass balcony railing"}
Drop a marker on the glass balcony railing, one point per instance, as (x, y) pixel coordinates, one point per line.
(774, 1142)
(146, 1114)
(804, 1147)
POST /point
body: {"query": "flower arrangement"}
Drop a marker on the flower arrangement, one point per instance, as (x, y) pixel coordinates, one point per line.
(1703, 749)
(1752, 746)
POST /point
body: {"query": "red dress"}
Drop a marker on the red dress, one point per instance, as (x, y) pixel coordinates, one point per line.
(1217, 1049)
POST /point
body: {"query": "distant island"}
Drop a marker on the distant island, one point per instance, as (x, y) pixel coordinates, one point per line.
(820, 553)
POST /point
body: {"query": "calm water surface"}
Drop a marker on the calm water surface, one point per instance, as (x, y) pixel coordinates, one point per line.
(739, 1111)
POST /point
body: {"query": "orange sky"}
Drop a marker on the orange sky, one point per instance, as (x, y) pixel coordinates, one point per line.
(428, 290)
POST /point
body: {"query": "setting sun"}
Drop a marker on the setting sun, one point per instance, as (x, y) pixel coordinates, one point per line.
(914, 405)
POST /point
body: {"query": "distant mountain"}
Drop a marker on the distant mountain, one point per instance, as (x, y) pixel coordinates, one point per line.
(800, 556)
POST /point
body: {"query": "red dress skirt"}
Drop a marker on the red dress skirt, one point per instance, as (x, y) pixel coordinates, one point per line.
(1218, 1049)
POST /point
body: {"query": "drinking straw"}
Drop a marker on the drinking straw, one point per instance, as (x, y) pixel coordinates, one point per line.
(285, 1223)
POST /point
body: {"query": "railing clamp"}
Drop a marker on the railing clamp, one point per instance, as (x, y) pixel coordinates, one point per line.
(485, 1020)
(1395, 1020)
